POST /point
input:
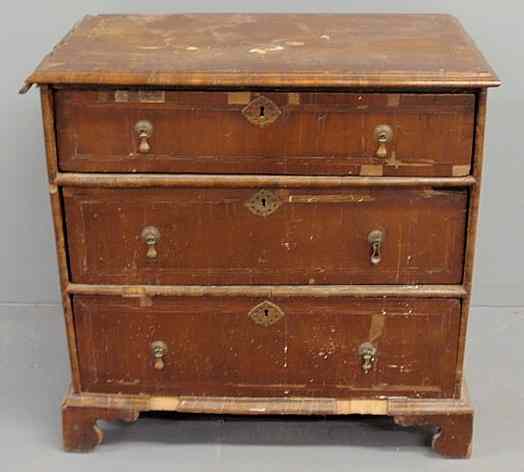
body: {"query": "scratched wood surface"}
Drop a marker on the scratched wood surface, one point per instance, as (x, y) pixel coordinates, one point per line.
(316, 133)
(209, 236)
(197, 181)
(298, 405)
(215, 348)
(334, 78)
(269, 291)
(268, 50)
(451, 419)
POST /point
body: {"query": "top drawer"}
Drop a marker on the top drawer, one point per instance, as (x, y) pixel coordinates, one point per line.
(265, 133)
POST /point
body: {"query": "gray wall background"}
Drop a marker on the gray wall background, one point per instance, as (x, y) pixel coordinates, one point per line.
(28, 272)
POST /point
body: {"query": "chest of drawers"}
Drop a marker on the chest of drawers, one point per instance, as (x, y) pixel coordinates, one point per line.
(266, 214)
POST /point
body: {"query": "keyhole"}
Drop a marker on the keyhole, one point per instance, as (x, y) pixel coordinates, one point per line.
(263, 202)
(266, 312)
(262, 112)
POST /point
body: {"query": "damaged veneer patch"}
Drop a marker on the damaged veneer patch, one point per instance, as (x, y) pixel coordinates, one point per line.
(133, 96)
(266, 50)
(276, 48)
(338, 198)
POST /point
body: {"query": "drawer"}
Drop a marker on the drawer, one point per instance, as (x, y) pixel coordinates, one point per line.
(265, 133)
(249, 236)
(226, 346)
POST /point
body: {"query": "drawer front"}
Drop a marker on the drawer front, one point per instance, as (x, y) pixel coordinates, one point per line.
(289, 133)
(217, 346)
(301, 236)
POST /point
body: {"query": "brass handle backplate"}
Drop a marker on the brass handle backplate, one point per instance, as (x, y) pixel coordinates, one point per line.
(376, 239)
(159, 351)
(151, 236)
(383, 135)
(143, 130)
(367, 353)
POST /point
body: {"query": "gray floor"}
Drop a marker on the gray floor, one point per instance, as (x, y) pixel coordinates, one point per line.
(33, 372)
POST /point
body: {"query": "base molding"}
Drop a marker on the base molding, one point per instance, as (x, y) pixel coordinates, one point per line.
(453, 418)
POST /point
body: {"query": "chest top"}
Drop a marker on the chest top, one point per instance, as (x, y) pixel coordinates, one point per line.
(274, 50)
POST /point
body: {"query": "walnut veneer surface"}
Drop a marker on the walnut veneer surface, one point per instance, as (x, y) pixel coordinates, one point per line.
(266, 214)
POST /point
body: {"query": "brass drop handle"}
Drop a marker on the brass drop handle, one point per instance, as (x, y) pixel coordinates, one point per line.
(151, 236)
(143, 130)
(159, 351)
(367, 353)
(376, 239)
(383, 135)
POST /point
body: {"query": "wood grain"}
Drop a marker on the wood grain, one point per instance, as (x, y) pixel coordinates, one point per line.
(71, 179)
(395, 406)
(454, 434)
(215, 349)
(80, 431)
(298, 50)
(472, 227)
(453, 418)
(334, 78)
(291, 291)
(55, 198)
(47, 103)
(211, 237)
(325, 134)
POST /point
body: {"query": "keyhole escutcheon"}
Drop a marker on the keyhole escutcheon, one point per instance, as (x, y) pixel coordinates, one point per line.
(263, 203)
(266, 313)
(261, 111)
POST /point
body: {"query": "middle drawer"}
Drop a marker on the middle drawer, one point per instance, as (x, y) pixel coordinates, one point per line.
(222, 236)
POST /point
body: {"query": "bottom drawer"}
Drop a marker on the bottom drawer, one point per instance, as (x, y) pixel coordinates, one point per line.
(238, 346)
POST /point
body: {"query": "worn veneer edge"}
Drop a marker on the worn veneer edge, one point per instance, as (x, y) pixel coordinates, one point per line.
(29, 82)
(302, 80)
(58, 224)
(420, 291)
(451, 418)
(471, 232)
(245, 79)
(48, 120)
(391, 406)
(56, 208)
(326, 79)
(202, 180)
(237, 181)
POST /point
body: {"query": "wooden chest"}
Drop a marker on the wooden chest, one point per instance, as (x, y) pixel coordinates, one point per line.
(266, 214)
